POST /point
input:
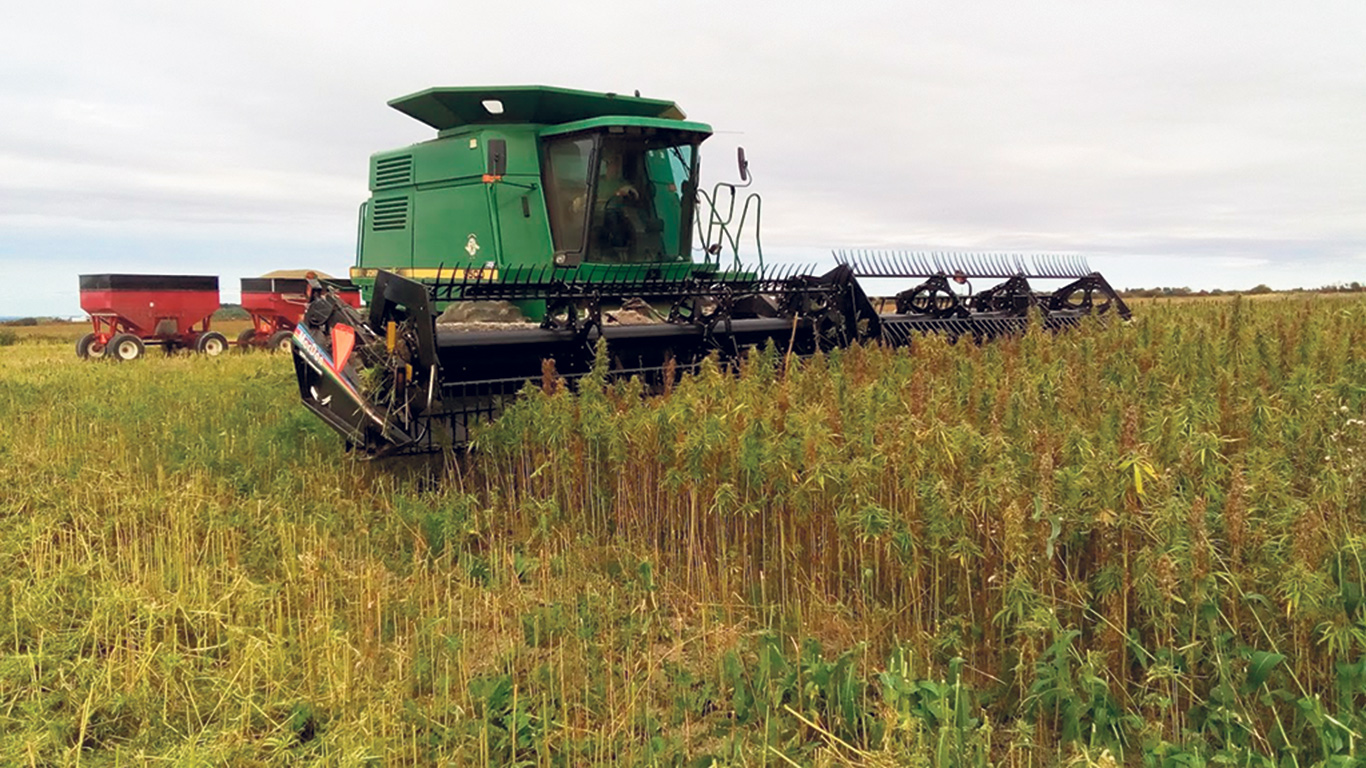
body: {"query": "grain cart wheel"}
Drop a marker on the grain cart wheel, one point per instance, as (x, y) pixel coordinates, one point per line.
(89, 347)
(126, 346)
(212, 344)
(245, 338)
(280, 341)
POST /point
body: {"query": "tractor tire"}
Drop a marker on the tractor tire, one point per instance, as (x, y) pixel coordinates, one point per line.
(212, 344)
(90, 348)
(125, 346)
(245, 339)
(280, 341)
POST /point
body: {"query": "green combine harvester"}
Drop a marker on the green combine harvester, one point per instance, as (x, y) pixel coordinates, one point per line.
(579, 217)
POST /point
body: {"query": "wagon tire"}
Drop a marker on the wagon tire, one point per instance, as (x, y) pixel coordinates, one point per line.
(280, 341)
(126, 346)
(212, 344)
(89, 347)
(245, 339)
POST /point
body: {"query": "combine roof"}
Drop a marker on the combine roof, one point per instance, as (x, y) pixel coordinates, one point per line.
(445, 108)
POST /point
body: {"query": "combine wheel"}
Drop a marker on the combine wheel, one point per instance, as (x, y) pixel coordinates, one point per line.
(126, 346)
(212, 344)
(89, 347)
(280, 341)
(245, 338)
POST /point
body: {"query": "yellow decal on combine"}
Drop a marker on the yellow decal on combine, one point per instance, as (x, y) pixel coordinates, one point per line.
(426, 273)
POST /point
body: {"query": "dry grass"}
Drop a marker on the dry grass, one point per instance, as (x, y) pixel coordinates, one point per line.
(1139, 541)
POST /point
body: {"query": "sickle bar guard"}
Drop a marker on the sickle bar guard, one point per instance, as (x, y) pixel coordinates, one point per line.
(394, 380)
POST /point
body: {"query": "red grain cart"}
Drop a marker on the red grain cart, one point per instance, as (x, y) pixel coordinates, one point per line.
(131, 312)
(277, 304)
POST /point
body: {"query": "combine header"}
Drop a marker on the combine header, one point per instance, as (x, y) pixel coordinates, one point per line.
(577, 209)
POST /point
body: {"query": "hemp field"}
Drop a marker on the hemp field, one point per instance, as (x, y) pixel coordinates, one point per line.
(1121, 545)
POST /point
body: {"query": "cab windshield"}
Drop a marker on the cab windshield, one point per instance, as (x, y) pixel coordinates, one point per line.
(621, 198)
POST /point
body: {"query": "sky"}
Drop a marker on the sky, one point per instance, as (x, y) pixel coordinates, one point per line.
(1212, 144)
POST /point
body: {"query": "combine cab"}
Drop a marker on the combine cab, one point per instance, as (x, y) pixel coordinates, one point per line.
(520, 179)
(578, 210)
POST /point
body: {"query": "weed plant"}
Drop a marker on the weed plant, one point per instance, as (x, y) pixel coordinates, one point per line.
(1121, 545)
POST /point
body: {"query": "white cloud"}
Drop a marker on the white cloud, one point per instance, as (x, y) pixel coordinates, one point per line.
(1182, 136)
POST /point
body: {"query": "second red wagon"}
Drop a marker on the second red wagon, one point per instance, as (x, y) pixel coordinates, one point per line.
(276, 304)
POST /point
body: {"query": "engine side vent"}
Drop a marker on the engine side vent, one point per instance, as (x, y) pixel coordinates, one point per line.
(393, 171)
(390, 214)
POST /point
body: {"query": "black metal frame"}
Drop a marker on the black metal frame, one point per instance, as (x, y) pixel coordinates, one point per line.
(427, 383)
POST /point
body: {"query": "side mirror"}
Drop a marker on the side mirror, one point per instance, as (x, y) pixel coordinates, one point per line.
(744, 164)
(498, 157)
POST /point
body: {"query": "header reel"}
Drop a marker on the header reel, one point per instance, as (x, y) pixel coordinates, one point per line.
(1087, 292)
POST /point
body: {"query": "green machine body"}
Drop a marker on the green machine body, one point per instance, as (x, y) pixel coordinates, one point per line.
(525, 178)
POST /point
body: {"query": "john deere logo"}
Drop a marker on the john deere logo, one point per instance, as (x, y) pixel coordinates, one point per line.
(472, 246)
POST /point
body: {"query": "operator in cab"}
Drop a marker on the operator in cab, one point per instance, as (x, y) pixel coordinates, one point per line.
(621, 215)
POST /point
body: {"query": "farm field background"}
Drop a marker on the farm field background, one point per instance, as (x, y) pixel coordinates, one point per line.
(1123, 545)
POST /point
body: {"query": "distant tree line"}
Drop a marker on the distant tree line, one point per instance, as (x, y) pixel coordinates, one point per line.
(1144, 293)
(231, 312)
